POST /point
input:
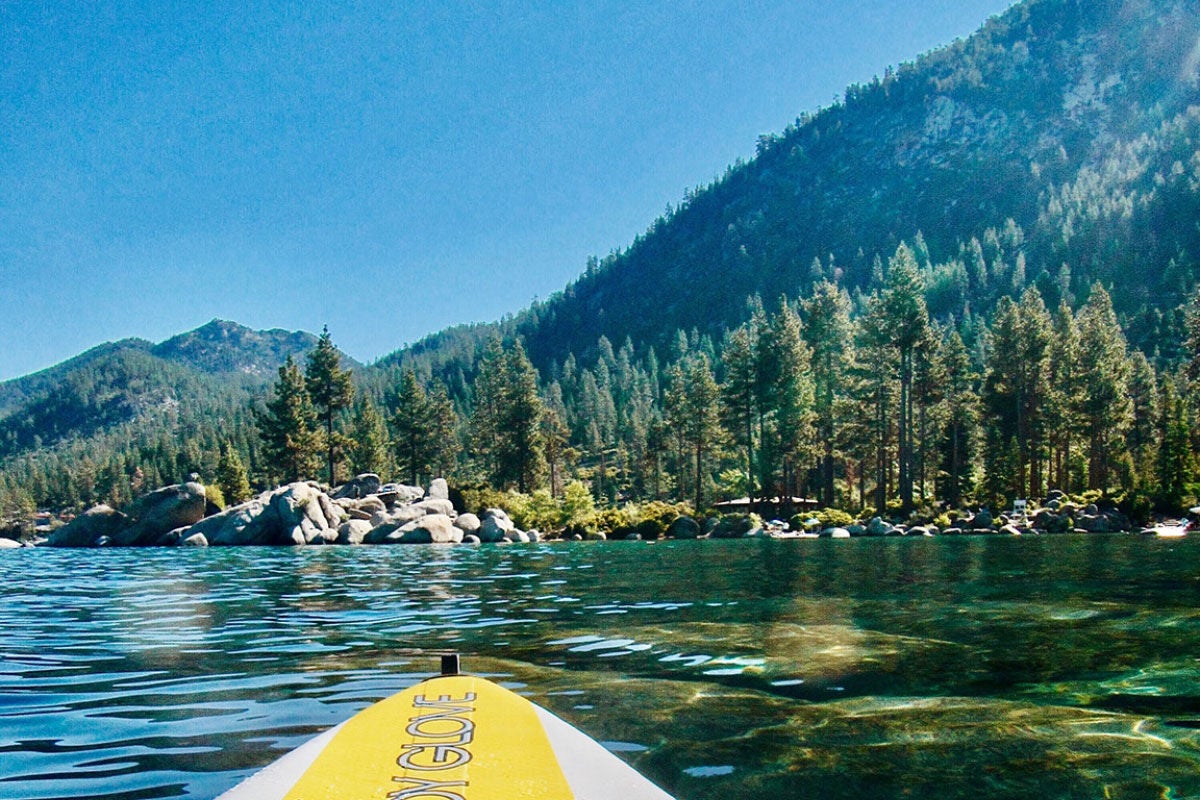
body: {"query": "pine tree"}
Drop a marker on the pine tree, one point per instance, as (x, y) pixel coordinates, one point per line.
(827, 331)
(507, 418)
(1141, 437)
(522, 457)
(412, 429)
(1106, 409)
(874, 396)
(370, 447)
(957, 443)
(292, 443)
(692, 409)
(443, 422)
(1063, 391)
(1014, 395)
(903, 322)
(928, 394)
(489, 392)
(331, 391)
(231, 476)
(1174, 466)
(787, 402)
(556, 436)
(739, 396)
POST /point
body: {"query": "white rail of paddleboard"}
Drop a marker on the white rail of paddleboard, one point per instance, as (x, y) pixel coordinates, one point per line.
(450, 738)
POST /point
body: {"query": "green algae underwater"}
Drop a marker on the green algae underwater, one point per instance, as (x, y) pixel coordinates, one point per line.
(1050, 667)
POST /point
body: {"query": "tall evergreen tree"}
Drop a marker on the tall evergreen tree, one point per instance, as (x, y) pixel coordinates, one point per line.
(959, 434)
(412, 431)
(556, 436)
(488, 391)
(1174, 467)
(506, 425)
(1106, 409)
(370, 446)
(787, 402)
(692, 409)
(1142, 438)
(872, 429)
(232, 479)
(292, 442)
(443, 422)
(522, 457)
(739, 397)
(904, 325)
(1063, 392)
(331, 390)
(1014, 394)
(828, 332)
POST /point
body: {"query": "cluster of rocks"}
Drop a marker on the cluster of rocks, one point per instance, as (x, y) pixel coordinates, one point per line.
(366, 511)
(1058, 515)
(363, 511)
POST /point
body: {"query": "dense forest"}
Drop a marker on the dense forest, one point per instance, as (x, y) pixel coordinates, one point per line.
(968, 281)
(867, 404)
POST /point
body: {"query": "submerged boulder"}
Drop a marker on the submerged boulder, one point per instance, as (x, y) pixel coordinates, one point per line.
(877, 527)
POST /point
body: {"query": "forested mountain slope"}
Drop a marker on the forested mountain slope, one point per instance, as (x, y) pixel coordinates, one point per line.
(159, 407)
(1057, 146)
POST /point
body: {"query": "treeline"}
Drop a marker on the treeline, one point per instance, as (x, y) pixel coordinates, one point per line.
(862, 403)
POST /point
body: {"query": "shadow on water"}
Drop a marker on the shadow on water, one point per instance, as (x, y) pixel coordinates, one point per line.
(1055, 667)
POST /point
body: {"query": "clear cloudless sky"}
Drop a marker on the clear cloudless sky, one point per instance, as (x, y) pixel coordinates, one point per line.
(386, 168)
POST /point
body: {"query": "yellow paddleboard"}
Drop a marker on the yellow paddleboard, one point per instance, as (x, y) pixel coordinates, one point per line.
(454, 737)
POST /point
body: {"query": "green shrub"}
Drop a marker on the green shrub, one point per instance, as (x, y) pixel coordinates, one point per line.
(517, 506)
(480, 498)
(213, 493)
(657, 510)
(578, 507)
(833, 518)
(612, 519)
(542, 512)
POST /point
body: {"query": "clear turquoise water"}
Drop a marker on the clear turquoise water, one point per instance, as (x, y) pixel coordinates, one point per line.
(1053, 667)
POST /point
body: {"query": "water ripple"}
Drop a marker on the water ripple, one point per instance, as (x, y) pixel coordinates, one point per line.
(722, 669)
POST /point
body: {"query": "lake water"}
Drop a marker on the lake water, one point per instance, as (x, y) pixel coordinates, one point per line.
(1048, 667)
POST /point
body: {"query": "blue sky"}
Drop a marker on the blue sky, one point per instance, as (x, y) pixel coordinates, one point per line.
(385, 168)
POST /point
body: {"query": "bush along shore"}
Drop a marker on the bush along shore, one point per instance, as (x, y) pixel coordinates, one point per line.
(366, 511)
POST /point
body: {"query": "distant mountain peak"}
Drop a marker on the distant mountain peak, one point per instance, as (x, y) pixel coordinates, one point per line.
(222, 346)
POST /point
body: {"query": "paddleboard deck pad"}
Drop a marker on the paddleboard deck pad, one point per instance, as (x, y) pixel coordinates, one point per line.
(454, 737)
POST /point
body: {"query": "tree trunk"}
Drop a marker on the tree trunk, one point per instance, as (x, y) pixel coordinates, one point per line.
(329, 442)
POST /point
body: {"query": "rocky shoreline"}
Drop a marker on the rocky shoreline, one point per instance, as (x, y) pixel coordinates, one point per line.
(365, 511)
